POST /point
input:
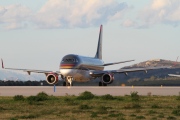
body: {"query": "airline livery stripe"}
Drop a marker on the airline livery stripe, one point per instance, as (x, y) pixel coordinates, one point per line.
(67, 65)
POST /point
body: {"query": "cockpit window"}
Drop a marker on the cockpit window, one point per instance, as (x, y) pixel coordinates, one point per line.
(69, 60)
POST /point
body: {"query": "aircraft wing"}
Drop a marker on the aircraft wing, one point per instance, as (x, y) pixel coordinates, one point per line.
(117, 62)
(100, 73)
(141, 69)
(31, 70)
(174, 75)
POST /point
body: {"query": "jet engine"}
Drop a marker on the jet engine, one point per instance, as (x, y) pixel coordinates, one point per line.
(107, 78)
(52, 78)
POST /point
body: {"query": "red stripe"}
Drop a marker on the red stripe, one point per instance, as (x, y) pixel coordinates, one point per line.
(67, 65)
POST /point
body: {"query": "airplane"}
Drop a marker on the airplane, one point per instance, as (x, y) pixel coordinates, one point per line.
(79, 68)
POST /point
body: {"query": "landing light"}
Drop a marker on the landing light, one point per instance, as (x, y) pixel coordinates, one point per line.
(90, 72)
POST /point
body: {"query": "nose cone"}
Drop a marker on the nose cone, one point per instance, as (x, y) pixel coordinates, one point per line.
(67, 72)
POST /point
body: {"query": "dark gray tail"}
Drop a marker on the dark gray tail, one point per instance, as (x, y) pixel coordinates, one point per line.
(99, 47)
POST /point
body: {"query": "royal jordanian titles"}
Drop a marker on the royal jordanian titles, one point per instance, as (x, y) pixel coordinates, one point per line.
(82, 68)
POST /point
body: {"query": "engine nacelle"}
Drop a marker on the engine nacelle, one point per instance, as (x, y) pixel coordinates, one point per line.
(52, 78)
(107, 78)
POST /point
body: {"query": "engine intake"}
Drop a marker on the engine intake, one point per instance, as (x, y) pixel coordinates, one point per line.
(107, 78)
(52, 78)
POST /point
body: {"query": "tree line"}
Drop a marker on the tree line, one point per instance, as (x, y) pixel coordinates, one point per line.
(134, 82)
(23, 83)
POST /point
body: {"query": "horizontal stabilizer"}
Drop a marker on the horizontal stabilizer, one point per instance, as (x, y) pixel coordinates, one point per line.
(117, 62)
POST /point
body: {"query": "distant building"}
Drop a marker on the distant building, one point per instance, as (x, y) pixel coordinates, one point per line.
(156, 60)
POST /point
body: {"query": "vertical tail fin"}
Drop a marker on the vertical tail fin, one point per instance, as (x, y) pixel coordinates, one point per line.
(99, 47)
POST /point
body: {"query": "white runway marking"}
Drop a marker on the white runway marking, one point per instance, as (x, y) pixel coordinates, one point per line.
(62, 91)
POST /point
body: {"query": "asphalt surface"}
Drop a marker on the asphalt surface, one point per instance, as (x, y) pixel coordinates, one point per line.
(74, 90)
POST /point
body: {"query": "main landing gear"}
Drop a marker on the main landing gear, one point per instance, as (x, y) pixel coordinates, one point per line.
(102, 84)
(68, 81)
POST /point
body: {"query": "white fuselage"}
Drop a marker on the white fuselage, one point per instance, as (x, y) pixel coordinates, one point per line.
(79, 67)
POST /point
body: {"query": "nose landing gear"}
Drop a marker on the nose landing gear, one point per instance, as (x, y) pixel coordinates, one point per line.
(68, 81)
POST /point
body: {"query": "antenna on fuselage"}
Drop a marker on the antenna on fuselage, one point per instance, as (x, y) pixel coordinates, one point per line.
(99, 47)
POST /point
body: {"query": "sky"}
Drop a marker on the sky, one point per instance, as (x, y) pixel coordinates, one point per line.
(36, 34)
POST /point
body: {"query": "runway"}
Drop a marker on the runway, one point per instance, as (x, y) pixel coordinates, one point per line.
(74, 90)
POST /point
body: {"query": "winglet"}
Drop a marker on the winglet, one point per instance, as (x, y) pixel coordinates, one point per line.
(29, 72)
(2, 63)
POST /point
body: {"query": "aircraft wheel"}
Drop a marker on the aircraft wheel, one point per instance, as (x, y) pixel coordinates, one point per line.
(64, 83)
(100, 83)
(104, 84)
(68, 84)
